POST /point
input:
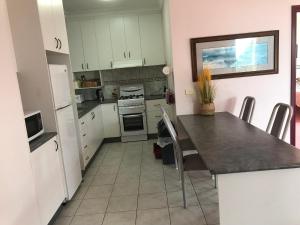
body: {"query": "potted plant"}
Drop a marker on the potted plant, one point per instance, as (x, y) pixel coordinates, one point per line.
(207, 93)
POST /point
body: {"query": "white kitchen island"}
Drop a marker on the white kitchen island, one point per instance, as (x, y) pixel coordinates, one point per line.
(258, 175)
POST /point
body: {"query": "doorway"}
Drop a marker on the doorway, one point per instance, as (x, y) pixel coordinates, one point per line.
(295, 76)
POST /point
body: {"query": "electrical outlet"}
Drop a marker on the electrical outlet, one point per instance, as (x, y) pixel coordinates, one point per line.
(189, 92)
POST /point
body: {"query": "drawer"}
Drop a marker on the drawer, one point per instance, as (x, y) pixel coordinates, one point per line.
(83, 125)
(83, 140)
(154, 115)
(154, 105)
(86, 157)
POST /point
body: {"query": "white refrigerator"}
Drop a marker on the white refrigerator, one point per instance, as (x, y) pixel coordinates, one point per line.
(66, 128)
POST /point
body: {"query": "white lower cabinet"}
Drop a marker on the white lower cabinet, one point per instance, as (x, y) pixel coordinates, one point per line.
(111, 120)
(91, 134)
(48, 178)
(154, 115)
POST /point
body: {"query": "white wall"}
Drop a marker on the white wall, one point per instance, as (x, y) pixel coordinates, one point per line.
(194, 18)
(18, 203)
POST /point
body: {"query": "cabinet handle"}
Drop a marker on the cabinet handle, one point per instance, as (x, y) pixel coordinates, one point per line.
(56, 42)
(114, 107)
(84, 135)
(87, 66)
(129, 54)
(82, 123)
(144, 61)
(85, 147)
(111, 64)
(56, 144)
(125, 55)
(82, 66)
(60, 44)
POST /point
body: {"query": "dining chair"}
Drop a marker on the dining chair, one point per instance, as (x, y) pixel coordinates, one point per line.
(280, 120)
(247, 109)
(188, 162)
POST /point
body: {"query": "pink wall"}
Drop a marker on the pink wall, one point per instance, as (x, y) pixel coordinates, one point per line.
(18, 202)
(200, 18)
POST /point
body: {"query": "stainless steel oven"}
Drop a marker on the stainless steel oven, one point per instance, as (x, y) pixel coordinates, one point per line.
(133, 123)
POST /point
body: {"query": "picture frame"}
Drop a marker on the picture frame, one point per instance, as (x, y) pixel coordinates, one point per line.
(237, 55)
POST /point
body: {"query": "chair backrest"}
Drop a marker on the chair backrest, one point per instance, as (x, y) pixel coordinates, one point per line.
(171, 129)
(247, 109)
(280, 120)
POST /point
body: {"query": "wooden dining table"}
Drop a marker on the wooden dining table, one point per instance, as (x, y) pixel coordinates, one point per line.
(258, 175)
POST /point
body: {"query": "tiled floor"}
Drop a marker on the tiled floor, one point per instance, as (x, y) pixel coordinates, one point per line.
(125, 185)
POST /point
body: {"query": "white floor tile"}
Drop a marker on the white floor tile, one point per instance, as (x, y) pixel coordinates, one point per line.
(120, 218)
(122, 203)
(153, 217)
(95, 219)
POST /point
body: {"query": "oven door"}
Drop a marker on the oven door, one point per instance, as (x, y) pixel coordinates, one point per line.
(133, 124)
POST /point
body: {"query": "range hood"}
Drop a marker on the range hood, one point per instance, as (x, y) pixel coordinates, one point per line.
(127, 64)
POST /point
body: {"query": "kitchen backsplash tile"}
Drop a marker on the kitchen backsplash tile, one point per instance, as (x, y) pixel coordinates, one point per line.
(152, 77)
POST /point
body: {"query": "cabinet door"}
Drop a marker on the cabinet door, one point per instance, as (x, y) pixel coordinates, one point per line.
(92, 130)
(89, 45)
(118, 39)
(132, 34)
(111, 120)
(48, 179)
(47, 25)
(152, 42)
(100, 130)
(104, 43)
(76, 48)
(60, 25)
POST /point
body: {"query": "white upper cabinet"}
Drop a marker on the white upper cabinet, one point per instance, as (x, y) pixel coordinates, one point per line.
(104, 43)
(89, 42)
(83, 45)
(152, 42)
(53, 25)
(110, 42)
(60, 25)
(118, 39)
(76, 48)
(133, 40)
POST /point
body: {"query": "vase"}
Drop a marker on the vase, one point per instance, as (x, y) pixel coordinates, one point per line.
(207, 109)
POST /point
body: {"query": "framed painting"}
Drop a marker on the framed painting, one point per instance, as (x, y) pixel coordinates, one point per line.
(238, 55)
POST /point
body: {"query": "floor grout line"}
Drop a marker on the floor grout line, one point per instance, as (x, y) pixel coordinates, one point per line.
(109, 198)
(138, 194)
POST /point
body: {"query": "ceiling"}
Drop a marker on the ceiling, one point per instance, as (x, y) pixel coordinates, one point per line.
(78, 6)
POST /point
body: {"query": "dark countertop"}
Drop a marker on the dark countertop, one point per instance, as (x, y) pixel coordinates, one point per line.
(36, 143)
(85, 107)
(154, 97)
(229, 145)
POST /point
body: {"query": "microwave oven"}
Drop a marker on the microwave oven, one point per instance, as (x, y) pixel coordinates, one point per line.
(34, 124)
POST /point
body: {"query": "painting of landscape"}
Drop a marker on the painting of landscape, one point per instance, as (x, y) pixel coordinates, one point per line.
(241, 55)
(236, 55)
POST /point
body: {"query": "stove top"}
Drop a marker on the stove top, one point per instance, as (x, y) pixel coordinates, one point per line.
(131, 97)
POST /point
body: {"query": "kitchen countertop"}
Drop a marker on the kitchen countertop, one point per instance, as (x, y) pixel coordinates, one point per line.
(36, 143)
(85, 107)
(229, 145)
(154, 97)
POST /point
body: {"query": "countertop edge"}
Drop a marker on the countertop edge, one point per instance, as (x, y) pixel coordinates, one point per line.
(38, 142)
